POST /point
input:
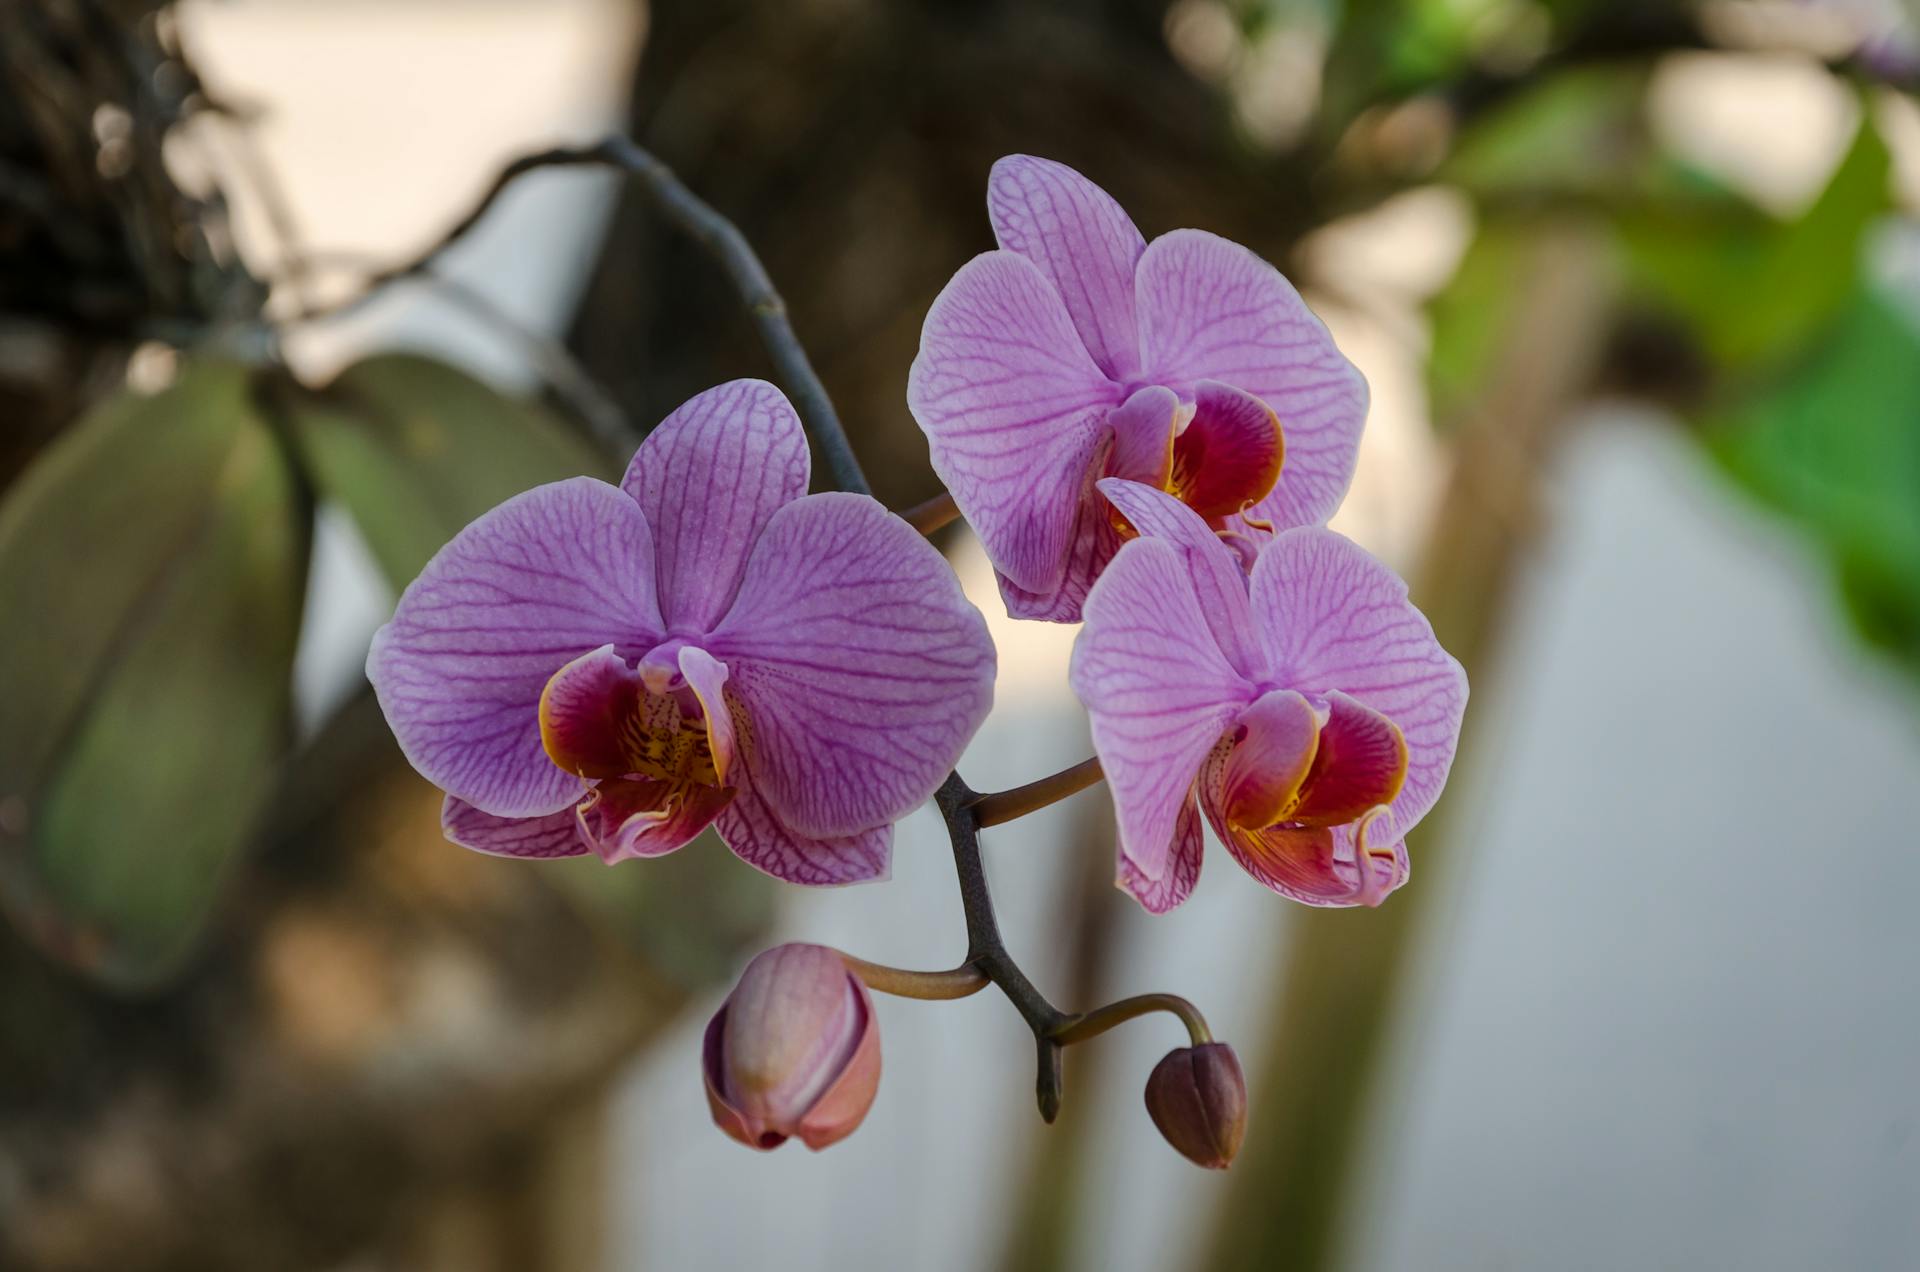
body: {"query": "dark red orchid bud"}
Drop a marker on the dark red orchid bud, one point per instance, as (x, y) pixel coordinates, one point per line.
(1197, 1096)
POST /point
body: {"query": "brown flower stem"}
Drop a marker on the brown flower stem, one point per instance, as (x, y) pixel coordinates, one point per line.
(960, 982)
(722, 240)
(987, 950)
(1096, 1022)
(997, 807)
(932, 515)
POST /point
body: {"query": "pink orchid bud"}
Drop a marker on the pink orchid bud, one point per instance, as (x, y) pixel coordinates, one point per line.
(1197, 1096)
(793, 1051)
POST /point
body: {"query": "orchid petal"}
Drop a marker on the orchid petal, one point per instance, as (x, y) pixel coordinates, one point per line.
(758, 837)
(529, 586)
(1182, 872)
(1301, 863)
(1143, 435)
(1094, 542)
(1218, 579)
(1158, 690)
(1212, 310)
(860, 667)
(1332, 618)
(707, 677)
(530, 837)
(1229, 455)
(1014, 410)
(635, 817)
(1082, 241)
(709, 477)
(1278, 738)
(587, 712)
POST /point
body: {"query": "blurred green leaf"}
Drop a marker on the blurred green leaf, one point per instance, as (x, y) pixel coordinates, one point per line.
(1751, 287)
(415, 449)
(1835, 444)
(1472, 315)
(152, 568)
(1580, 132)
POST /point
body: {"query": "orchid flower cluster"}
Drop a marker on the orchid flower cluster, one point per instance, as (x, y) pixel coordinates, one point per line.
(1147, 439)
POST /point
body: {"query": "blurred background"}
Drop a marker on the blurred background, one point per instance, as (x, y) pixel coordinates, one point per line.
(1637, 288)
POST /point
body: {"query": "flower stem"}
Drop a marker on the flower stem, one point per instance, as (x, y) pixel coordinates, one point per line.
(930, 516)
(930, 986)
(722, 240)
(1003, 806)
(1096, 1022)
(985, 948)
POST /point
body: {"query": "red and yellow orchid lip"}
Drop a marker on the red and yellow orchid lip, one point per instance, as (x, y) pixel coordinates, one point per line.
(1229, 456)
(1289, 768)
(1220, 454)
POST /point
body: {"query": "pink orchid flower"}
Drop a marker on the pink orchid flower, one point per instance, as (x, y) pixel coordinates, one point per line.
(614, 668)
(1305, 707)
(1080, 351)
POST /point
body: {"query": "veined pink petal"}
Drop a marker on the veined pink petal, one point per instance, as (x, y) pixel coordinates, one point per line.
(709, 477)
(1157, 689)
(1094, 542)
(1212, 310)
(534, 837)
(1331, 618)
(1082, 241)
(1014, 410)
(529, 586)
(1218, 579)
(759, 838)
(1275, 741)
(634, 817)
(707, 677)
(1157, 896)
(1230, 454)
(860, 668)
(1143, 435)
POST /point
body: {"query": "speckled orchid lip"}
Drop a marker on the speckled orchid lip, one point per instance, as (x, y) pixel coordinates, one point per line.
(612, 669)
(1302, 708)
(657, 759)
(1064, 356)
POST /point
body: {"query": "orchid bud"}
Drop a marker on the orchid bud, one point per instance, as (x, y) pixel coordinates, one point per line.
(1197, 1096)
(793, 1051)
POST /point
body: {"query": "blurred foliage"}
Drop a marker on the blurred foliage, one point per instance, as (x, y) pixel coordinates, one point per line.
(1785, 357)
(1753, 289)
(153, 564)
(1833, 441)
(160, 548)
(415, 449)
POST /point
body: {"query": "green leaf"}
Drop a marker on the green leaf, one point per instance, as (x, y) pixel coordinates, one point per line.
(1754, 289)
(1835, 445)
(1473, 315)
(1580, 132)
(152, 567)
(415, 449)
